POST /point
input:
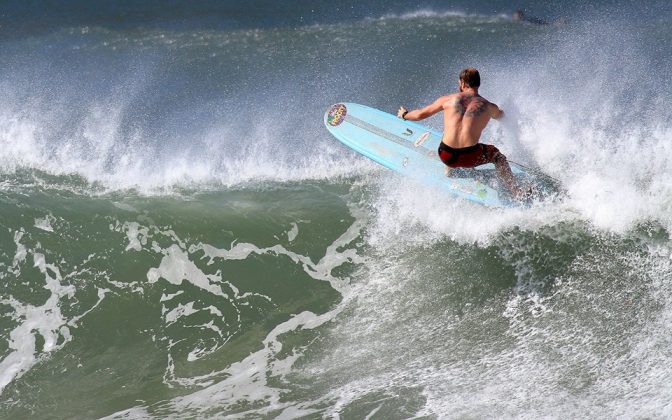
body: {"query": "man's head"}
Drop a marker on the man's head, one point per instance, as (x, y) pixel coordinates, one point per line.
(469, 78)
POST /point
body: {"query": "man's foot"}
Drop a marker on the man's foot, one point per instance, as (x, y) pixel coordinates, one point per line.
(524, 193)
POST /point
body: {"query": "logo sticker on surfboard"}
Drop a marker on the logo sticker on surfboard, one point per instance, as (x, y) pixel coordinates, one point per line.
(336, 114)
(421, 138)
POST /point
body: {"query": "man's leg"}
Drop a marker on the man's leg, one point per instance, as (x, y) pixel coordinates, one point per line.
(503, 169)
(504, 173)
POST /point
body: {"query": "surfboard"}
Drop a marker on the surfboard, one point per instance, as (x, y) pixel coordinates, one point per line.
(410, 149)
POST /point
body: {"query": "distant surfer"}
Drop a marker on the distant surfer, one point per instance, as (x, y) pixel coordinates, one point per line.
(520, 16)
(465, 115)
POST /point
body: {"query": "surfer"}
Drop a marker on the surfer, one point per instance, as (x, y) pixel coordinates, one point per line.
(465, 115)
(520, 16)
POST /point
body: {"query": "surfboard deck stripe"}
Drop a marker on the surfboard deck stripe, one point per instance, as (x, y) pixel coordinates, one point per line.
(379, 132)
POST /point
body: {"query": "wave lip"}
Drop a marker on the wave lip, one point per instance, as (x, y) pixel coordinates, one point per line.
(429, 14)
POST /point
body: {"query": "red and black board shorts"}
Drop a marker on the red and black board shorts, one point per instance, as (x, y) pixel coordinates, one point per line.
(468, 157)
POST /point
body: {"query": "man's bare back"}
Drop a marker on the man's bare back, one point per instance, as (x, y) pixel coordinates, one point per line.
(465, 115)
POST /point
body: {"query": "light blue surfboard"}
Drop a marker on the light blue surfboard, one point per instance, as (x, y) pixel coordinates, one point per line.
(410, 149)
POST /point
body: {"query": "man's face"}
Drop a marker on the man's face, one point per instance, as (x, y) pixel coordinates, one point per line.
(461, 85)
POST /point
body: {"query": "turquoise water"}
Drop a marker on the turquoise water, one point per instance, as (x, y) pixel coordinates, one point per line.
(181, 238)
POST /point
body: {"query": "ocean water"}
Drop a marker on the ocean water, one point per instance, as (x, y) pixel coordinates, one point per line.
(180, 237)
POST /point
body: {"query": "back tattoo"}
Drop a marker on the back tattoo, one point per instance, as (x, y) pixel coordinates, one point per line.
(470, 105)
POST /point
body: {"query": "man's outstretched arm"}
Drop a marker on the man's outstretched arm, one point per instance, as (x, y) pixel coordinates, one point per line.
(421, 114)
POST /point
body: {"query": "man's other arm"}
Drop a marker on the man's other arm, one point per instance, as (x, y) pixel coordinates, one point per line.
(422, 113)
(496, 112)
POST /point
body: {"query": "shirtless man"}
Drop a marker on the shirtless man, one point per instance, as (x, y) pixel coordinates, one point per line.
(465, 115)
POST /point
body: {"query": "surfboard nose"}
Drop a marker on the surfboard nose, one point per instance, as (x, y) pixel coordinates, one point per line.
(336, 114)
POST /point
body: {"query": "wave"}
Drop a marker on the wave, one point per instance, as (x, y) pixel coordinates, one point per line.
(195, 110)
(432, 14)
(102, 155)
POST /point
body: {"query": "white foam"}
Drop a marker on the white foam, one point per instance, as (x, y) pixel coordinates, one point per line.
(137, 235)
(101, 295)
(21, 252)
(45, 320)
(293, 232)
(178, 312)
(408, 213)
(45, 223)
(167, 297)
(176, 267)
(430, 13)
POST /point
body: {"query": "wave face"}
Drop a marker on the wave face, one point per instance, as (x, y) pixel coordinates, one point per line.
(181, 237)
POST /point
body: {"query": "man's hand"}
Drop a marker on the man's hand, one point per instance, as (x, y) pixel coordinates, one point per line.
(402, 112)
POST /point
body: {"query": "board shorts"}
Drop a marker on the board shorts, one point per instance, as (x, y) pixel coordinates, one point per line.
(468, 157)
